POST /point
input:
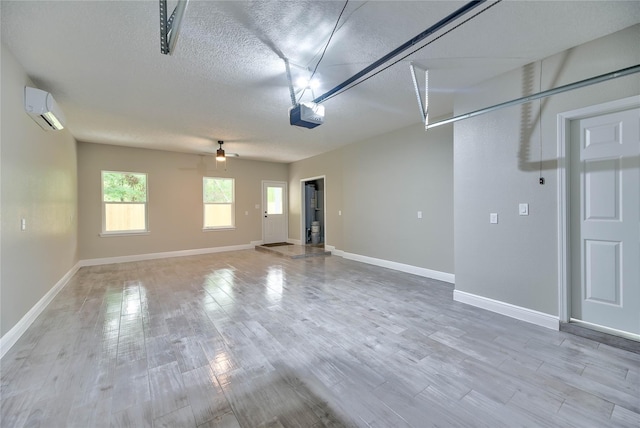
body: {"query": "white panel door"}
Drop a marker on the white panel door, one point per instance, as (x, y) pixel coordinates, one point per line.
(605, 220)
(274, 207)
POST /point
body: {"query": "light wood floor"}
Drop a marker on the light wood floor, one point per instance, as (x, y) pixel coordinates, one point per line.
(247, 339)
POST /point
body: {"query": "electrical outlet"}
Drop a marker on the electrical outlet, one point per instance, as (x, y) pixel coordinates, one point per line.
(523, 209)
(419, 214)
(493, 218)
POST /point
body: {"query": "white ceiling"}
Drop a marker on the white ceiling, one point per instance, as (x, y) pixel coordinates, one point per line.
(226, 81)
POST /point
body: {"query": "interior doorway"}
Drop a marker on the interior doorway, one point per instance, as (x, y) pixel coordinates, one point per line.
(312, 211)
(599, 212)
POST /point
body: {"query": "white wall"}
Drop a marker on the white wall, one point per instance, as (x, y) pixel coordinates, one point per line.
(38, 173)
(496, 166)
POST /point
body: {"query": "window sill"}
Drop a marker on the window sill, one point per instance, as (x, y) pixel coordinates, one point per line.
(215, 229)
(116, 234)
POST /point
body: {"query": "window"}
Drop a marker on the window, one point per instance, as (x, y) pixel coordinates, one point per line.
(219, 203)
(124, 202)
(275, 203)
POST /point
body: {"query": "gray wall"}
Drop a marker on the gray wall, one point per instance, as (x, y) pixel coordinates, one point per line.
(38, 171)
(496, 158)
(175, 207)
(379, 185)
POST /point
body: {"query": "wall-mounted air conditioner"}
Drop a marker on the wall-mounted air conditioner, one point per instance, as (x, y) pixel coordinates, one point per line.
(42, 108)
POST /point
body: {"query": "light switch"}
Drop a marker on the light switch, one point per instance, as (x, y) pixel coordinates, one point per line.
(523, 209)
(339, 212)
(246, 213)
(493, 218)
(419, 214)
(23, 224)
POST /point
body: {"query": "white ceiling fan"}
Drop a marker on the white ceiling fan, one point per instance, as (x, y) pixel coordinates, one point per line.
(221, 156)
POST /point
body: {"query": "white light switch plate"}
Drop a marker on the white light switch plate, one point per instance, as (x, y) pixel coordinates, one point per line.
(523, 209)
(419, 214)
(493, 218)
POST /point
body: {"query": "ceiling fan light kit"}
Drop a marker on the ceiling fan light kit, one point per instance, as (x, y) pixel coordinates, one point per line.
(220, 156)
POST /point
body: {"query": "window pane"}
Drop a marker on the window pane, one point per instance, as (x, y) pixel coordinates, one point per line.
(119, 217)
(274, 200)
(217, 195)
(217, 190)
(218, 215)
(124, 187)
(124, 197)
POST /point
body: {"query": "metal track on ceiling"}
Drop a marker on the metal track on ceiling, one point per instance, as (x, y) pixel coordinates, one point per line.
(543, 94)
(170, 27)
(410, 43)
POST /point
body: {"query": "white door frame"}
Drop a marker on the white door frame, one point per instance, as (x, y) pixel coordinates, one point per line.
(563, 175)
(285, 208)
(303, 208)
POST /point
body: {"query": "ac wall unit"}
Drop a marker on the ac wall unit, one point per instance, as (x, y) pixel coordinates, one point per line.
(43, 109)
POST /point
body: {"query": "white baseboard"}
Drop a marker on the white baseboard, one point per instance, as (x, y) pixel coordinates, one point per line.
(256, 243)
(415, 270)
(164, 255)
(513, 311)
(11, 337)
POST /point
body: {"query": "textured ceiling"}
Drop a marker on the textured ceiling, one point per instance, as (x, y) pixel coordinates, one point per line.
(226, 79)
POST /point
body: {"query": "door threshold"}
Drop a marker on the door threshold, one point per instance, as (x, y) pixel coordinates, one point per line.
(294, 251)
(587, 331)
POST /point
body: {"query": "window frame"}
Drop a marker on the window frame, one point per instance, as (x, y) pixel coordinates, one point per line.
(232, 226)
(105, 232)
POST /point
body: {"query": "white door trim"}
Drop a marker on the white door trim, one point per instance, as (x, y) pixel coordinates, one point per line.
(303, 208)
(564, 120)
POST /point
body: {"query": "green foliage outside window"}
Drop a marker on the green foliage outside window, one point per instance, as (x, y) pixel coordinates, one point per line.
(124, 187)
(218, 190)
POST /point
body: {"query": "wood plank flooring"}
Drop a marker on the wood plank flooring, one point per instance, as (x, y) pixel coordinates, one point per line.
(248, 339)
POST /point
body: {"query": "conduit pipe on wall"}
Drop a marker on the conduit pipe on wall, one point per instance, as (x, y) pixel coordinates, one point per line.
(543, 94)
(426, 33)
